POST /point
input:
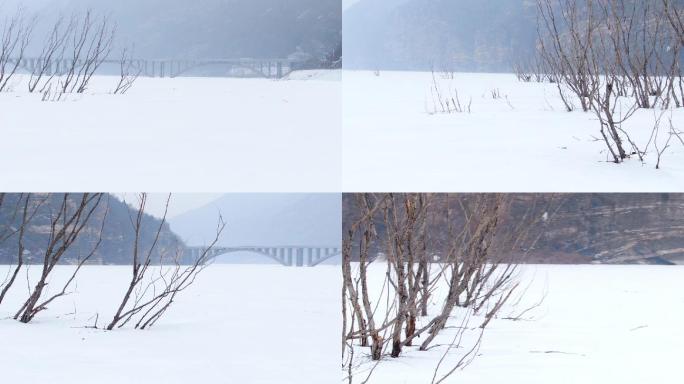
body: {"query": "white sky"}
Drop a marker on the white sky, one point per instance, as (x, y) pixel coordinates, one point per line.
(180, 202)
(348, 3)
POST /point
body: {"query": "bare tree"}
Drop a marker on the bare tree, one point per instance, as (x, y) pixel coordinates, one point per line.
(129, 74)
(565, 32)
(53, 51)
(15, 37)
(675, 16)
(22, 210)
(615, 56)
(150, 294)
(471, 260)
(673, 12)
(65, 227)
(91, 44)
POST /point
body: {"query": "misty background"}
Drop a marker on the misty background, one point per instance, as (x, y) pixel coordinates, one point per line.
(252, 219)
(263, 219)
(453, 35)
(204, 29)
(266, 219)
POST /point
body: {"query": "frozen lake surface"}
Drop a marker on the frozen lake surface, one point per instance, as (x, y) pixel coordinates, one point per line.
(520, 141)
(182, 134)
(239, 324)
(597, 324)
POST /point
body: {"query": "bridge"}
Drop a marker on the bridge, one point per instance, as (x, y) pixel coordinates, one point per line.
(289, 256)
(247, 67)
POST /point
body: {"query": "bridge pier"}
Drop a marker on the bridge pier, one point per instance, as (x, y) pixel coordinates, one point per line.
(300, 257)
(289, 257)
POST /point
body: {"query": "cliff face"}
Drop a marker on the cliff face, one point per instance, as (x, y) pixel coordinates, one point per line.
(618, 228)
(116, 246)
(576, 228)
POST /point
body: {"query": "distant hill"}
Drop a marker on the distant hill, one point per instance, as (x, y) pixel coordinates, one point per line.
(211, 29)
(461, 35)
(117, 241)
(586, 228)
(265, 219)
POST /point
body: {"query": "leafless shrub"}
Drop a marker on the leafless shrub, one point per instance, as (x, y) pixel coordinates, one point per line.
(91, 44)
(527, 71)
(129, 74)
(671, 134)
(522, 72)
(446, 101)
(631, 42)
(66, 224)
(52, 94)
(606, 106)
(15, 37)
(53, 51)
(642, 42)
(673, 12)
(474, 263)
(564, 46)
(149, 295)
(607, 53)
(466, 357)
(21, 212)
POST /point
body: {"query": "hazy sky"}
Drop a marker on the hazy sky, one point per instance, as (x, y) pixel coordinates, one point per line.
(180, 202)
(348, 3)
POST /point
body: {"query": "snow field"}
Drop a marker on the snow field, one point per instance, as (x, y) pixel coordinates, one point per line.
(523, 141)
(180, 134)
(596, 324)
(237, 324)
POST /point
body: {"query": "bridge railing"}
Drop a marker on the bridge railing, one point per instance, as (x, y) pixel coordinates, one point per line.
(286, 255)
(273, 68)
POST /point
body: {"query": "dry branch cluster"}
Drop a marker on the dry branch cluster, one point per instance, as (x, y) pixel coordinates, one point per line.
(444, 259)
(612, 57)
(446, 99)
(73, 50)
(155, 281)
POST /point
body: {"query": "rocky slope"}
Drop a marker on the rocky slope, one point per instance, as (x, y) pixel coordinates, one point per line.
(116, 246)
(578, 228)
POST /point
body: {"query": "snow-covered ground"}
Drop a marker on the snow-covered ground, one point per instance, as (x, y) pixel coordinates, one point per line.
(182, 134)
(597, 324)
(521, 142)
(238, 324)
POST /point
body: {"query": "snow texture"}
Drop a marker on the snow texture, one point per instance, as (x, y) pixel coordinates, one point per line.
(596, 324)
(522, 142)
(238, 324)
(180, 134)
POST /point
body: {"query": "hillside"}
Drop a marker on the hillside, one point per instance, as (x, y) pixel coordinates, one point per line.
(581, 228)
(117, 238)
(265, 219)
